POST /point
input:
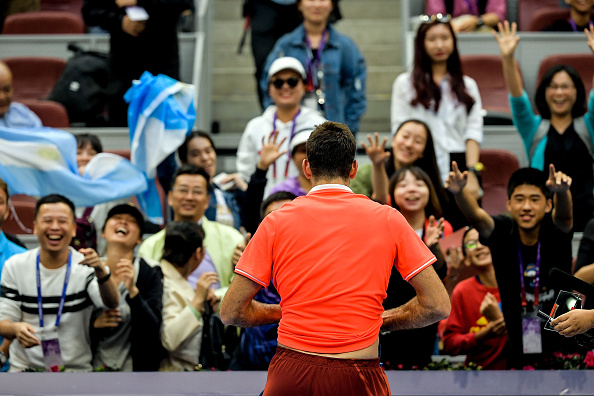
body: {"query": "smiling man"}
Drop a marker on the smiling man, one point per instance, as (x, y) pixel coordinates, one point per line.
(47, 294)
(524, 247)
(189, 198)
(13, 115)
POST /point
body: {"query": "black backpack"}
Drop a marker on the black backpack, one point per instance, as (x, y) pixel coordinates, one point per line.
(82, 85)
(218, 341)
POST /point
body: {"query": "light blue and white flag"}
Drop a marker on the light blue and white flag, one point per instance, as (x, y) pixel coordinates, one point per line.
(42, 161)
(160, 114)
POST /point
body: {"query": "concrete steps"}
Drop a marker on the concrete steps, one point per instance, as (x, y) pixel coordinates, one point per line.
(373, 24)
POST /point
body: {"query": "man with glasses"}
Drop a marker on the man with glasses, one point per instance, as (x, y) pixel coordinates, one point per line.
(476, 327)
(286, 118)
(189, 198)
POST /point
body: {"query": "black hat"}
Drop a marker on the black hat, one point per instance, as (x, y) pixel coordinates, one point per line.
(127, 208)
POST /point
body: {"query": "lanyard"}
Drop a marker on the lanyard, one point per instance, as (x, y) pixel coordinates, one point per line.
(314, 61)
(62, 298)
(536, 278)
(574, 25)
(289, 142)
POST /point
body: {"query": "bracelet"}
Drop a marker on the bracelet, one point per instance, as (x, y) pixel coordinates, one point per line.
(104, 279)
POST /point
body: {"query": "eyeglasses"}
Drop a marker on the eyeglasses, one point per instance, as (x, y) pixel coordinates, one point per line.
(471, 244)
(563, 87)
(185, 191)
(279, 82)
(443, 18)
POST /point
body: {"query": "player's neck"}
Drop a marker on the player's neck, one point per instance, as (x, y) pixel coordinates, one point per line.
(53, 260)
(304, 183)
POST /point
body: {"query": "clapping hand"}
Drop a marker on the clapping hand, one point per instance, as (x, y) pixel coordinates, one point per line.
(270, 150)
(434, 231)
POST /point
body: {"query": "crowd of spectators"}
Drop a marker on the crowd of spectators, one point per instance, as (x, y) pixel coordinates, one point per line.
(125, 300)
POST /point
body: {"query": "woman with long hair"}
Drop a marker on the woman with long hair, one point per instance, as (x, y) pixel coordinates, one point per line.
(563, 133)
(437, 92)
(413, 194)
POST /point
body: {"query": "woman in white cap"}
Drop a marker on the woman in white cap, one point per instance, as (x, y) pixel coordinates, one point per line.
(284, 119)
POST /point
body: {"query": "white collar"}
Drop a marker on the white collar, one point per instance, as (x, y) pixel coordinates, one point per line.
(331, 186)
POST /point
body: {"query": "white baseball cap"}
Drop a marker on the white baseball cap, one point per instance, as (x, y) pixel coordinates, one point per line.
(299, 138)
(286, 63)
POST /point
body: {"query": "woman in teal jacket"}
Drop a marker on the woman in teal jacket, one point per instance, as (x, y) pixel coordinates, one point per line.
(563, 133)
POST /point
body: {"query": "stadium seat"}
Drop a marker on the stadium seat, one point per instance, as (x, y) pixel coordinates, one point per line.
(499, 165)
(73, 6)
(544, 17)
(34, 77)
(44, 22)
(52, 114)
(526, 8)
(24, 207)
(581, 62)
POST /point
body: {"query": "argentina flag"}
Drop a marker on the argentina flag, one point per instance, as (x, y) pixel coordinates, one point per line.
(42, 161)
(160, 114)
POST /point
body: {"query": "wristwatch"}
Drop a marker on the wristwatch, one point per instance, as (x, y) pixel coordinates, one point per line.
(477, 168)
(480, 22)
(3, 359)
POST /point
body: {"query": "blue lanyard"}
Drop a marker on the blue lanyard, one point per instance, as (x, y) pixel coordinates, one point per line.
(536, 278)
(62, 298)
(289, 142)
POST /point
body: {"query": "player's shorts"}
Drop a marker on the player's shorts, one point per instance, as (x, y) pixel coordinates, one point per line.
(296, 373)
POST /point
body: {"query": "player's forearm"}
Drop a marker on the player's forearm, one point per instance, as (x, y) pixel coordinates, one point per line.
(255, 314)
(410, 316)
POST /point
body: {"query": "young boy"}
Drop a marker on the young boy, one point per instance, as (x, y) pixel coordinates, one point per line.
(524, 247)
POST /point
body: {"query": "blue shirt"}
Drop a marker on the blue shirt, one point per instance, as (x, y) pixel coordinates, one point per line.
(7, 250)
(19, 116)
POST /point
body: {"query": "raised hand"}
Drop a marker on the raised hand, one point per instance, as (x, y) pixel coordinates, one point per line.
(457, 180)
(507, 38)
(433, 231)
(108, 318)
(558, 182)
(270, 150)
(375, 151)
(590, 36)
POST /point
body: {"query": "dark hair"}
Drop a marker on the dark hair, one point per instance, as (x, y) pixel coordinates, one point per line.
(579, 107)
(190, 169)
(82, 139)
(4, 187)
(429, 93)
(427, 162)
(468, 229)
(331, 150)
(275, 197)
(433, 206)
(182, 238)
(182, 150)
(54, 198)
(531, 177)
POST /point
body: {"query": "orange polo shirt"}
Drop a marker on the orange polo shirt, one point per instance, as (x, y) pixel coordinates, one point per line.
(329, 255)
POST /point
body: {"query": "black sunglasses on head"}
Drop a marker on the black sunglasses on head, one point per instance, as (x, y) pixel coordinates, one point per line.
(279, 82)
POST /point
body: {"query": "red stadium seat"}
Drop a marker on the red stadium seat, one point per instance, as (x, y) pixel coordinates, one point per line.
(526, 8)
(499, 165)
(24, 207)
(44, 22)
(52, 114)
(73, 6)
(580, 62)
(34, 77)
(544, 17)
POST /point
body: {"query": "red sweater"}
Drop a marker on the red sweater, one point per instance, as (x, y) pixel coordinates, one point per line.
(466, 320)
